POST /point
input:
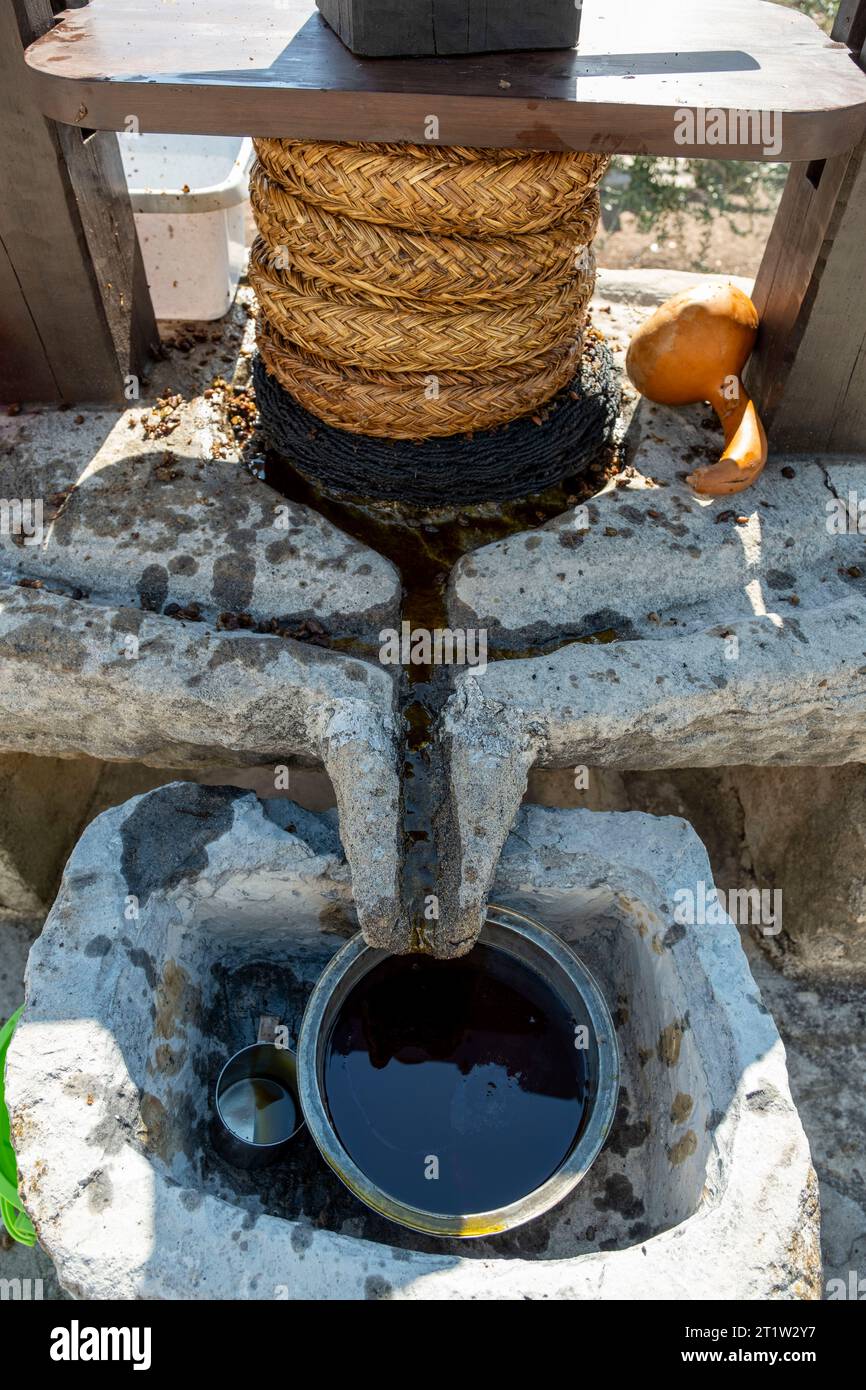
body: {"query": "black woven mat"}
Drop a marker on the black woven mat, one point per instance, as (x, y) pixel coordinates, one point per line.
(511, 461)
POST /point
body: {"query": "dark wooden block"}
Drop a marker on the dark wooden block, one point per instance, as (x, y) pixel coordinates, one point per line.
(430, 28)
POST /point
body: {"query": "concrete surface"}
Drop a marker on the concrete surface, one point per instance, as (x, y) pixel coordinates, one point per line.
(824, 1028)
(150, 507)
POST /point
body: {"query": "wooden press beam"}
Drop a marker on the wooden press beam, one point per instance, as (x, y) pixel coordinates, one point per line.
(273, 67)
(75, 312)
(808, 374)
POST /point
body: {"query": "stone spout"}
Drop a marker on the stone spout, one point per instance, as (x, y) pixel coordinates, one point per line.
(487, 749)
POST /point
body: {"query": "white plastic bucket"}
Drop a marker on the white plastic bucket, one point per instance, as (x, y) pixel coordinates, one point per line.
(189, 195)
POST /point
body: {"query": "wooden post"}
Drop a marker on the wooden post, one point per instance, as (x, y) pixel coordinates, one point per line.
(75, 314)
(850, 24)
(808, 373)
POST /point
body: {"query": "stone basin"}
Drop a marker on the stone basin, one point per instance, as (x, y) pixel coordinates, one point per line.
(187, 913)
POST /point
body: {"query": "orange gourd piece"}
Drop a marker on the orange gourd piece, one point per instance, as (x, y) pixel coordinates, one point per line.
(694, 348)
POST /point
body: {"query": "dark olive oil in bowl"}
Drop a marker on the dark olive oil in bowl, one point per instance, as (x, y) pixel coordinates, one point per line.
(455, 1086)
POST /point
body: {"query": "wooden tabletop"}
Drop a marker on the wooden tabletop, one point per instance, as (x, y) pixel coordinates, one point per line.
(273, 67)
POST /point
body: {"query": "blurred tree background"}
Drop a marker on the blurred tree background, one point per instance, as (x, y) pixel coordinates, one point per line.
(694, 214)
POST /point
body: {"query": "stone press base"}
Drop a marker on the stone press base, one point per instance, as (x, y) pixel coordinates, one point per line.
(166, 943)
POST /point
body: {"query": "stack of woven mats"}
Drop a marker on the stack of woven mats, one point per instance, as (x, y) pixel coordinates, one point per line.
(422, 317)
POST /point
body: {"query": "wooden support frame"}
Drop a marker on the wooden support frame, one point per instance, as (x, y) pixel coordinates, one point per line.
(75, 314)
(808, 373)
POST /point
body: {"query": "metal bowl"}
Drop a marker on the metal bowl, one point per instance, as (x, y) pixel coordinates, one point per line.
(557, 964)
(262, 1061)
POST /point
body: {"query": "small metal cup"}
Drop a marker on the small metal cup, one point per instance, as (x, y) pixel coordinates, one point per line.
(259, 1062)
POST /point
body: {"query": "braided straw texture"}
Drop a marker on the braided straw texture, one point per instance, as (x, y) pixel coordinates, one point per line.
(413, 405)
(362, 330)
(435, 188)
(391, 261)
(408, 292)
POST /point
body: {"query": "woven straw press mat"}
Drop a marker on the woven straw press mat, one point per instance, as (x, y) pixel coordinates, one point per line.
(413, 291)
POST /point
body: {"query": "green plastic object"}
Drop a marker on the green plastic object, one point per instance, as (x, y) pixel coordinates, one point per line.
(15, 1218)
